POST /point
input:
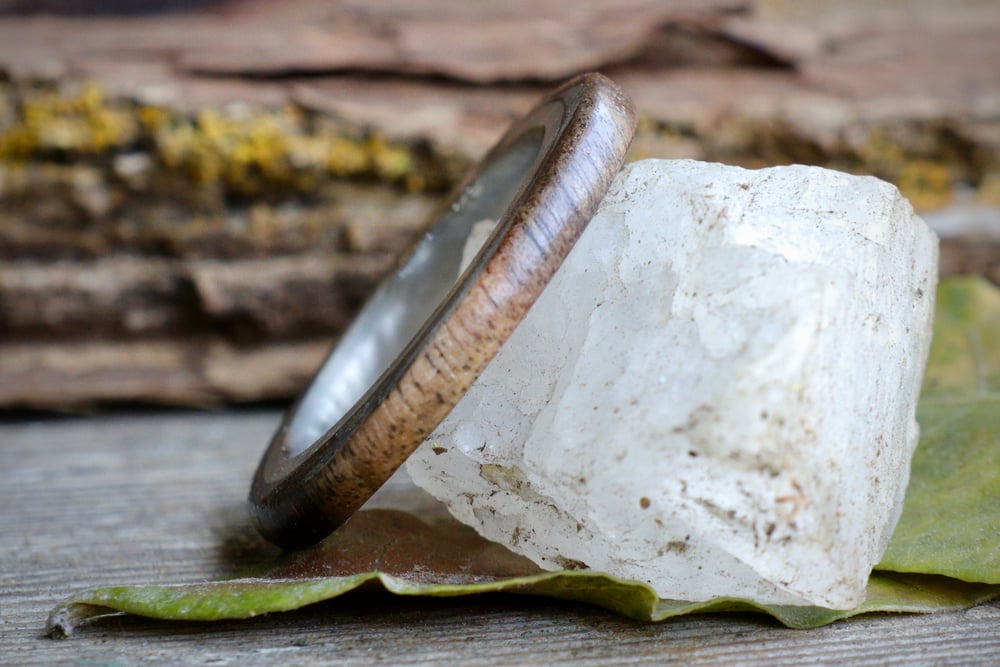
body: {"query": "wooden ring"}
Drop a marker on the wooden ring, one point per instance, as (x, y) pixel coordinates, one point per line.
(431, 327)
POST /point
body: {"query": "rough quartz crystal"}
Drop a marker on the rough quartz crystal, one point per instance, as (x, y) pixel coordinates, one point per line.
(716, 392)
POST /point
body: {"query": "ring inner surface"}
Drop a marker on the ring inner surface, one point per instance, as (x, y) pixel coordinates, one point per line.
(405, 301)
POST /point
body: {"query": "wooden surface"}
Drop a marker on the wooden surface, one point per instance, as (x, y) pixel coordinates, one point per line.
(159, 497)
(196, 195)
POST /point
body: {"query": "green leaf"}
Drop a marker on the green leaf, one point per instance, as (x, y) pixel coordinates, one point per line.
(945, 553)
(392, 548)
(964, 360)
(951, 517)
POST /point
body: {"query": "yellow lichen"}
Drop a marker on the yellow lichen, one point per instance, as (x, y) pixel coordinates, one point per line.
(388, 162)
(880, 154)
(253, 153)
(928, 184)
(250, 152)
(240, 151)
(84, 123)
(989, 188)
(345, 156)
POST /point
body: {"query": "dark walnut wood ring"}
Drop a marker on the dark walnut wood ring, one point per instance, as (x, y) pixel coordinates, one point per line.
(431, 327)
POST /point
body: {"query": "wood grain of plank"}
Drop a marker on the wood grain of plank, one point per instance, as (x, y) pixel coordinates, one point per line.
(159, 497)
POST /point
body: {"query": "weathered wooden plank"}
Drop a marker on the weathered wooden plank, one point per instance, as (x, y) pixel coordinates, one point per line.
(180, 131)
(160, 498)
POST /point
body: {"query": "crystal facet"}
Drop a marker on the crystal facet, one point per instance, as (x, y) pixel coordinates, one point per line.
(716, 392)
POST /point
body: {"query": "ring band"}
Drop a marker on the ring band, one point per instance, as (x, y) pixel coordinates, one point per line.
(433, 325)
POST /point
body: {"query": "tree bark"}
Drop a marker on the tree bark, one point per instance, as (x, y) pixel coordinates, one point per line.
(196, 197)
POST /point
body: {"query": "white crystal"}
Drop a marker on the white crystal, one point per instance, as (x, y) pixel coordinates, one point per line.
(716, 392)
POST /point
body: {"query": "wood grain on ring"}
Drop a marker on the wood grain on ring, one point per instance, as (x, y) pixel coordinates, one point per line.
(584, 149)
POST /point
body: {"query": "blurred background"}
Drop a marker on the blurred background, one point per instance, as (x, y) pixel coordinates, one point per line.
(197, 195)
